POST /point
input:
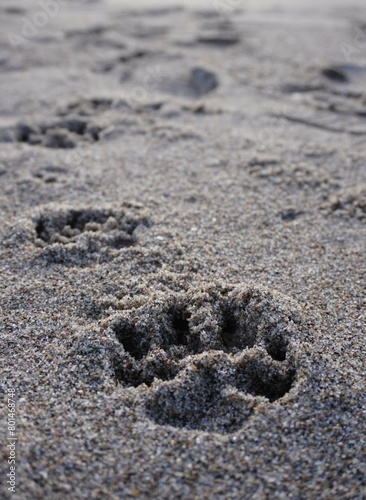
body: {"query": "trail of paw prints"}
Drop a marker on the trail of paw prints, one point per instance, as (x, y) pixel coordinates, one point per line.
(79, 236)
(207, 359)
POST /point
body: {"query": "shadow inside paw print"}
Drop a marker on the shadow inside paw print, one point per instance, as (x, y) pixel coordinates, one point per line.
(85, 232)
(207, 360)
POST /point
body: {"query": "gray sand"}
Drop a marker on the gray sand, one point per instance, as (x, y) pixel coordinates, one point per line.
(183, 207)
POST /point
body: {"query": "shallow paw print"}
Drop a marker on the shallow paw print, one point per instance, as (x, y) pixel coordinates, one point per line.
(85, 233)
(191, 82)
(89, 107)
(218, 33)
(205, 361)
(61, 134)
(349, 203)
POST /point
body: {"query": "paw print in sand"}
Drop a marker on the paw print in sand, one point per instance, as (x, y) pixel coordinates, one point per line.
(80, 235)
(205, 360)
(66, 133)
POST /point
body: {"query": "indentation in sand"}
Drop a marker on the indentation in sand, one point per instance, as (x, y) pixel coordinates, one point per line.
(60, 134)
(78, 235)
(205, 361)
(350, 202)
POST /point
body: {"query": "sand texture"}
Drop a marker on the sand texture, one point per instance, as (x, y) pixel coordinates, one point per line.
(183, 250)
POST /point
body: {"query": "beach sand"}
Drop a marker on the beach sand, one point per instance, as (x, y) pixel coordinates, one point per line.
(182, 254)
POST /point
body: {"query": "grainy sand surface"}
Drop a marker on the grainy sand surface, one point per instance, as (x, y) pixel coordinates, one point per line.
(183, 248)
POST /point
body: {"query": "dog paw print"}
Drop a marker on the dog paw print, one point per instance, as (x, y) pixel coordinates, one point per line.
(193, 82)
(349, 203)
(62, 134)
(80, 235)
(218, 34)
(89, 107)
(205, 361)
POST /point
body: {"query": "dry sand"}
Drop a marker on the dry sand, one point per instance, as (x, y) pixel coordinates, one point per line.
(183, 207)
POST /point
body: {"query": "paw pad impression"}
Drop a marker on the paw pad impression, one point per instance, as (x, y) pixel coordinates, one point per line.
(86, 234)
(206, 359)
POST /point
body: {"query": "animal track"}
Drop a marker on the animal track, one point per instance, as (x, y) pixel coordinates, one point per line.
(189, 82)
(88, 107)
(50, 173)
(206, 360)
(63, 134)
(86, 233)
(350, 202)
(219, 34)
(203, 81)
(335, 90)
(335, 74)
